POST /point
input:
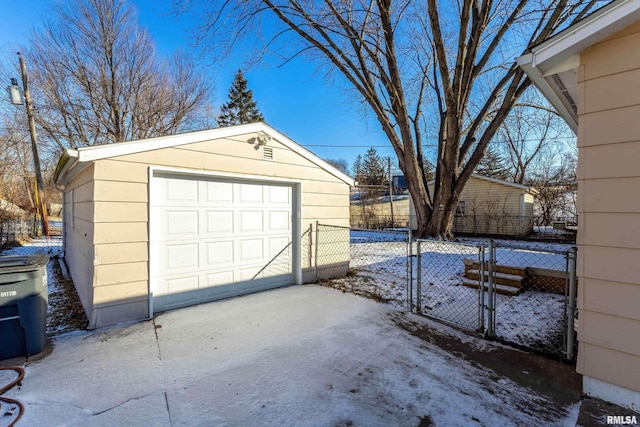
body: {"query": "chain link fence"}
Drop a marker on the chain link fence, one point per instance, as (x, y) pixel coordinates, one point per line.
(378, 262)
(517, 292)
(14, 230)
(514, 292)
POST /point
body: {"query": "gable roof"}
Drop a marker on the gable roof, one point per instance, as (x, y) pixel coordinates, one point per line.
(499, 181)
(74, 160)
(552, 65)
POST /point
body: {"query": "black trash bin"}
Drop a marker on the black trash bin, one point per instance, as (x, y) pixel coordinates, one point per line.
(23, 305)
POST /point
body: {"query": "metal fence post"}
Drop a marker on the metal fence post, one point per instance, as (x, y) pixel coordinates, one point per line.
(481, 296)
(419, 280)
(572, 303)
(316, 251)
(490, 332)
(409, 270)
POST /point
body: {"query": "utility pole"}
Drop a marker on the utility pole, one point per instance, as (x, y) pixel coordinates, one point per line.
(393, 222)
(40, 204)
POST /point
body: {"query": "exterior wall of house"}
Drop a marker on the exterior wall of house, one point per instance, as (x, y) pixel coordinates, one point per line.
(491, 208)
(121, 286)
(78, 235)
(609, 210)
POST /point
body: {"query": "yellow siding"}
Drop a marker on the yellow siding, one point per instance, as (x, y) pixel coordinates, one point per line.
(492, 208)
(609, 209)
(116, 196)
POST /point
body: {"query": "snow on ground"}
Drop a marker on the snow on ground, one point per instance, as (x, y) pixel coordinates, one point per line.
(65, 312)
(303, 355)
(531, 319)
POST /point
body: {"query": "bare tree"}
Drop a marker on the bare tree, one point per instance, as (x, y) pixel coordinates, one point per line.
(16, 162)
(528, 131)
(402, 57)
(97, 78)
(555, 183)
(341, 164)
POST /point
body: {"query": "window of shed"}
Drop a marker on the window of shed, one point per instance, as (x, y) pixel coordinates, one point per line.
(461, 209)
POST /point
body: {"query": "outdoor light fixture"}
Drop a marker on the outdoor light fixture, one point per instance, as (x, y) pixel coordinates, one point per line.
(263, 139)
(15, 93)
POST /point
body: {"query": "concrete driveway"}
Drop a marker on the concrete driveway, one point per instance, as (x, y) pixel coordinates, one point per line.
(303, 355)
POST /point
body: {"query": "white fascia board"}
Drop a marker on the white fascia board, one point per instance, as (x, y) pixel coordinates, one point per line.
(98, 152)
(572, 41)
(88, 154)
(562, 51)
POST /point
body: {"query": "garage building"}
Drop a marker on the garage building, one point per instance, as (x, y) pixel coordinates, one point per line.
(168, 222)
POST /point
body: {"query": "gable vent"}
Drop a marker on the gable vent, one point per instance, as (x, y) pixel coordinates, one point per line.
(267, 153)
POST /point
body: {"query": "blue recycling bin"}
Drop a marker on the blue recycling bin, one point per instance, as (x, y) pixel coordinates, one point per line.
(23, 305)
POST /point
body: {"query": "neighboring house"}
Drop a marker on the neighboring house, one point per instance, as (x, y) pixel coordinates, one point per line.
(489, 206)
(167, 222)
(590, 73)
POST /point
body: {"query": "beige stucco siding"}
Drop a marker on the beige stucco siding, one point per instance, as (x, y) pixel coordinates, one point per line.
(120, 211)
(609, 209)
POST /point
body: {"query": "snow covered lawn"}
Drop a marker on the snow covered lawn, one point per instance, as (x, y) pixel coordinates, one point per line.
(531, 319)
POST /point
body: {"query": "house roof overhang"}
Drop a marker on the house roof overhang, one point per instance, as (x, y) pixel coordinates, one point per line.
(73, 161)
(553, 64)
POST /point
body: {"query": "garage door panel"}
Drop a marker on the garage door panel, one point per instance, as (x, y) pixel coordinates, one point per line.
(180, 257)
(219, 278)
(279, 221)
(277, 245)
(219, 222)
(250, 194)
(251, 222)
(181, 190)
(214, 239)
(180, 224)
(248, 273)
(219, 253)
(184, 289)
(220, 193)
(251, 250)
(278, 195)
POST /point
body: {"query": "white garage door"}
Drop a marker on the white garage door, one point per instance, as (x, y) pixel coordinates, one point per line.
(216, 238)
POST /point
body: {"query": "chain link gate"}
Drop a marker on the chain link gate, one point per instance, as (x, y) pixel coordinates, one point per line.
(448, 275)
(534, 298)
(509, 291)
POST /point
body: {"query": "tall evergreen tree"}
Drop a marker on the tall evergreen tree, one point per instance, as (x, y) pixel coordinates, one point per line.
(373, 168)
(493, 165)
(241, 108)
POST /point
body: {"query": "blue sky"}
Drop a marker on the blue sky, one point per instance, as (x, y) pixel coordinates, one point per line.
(293, 99)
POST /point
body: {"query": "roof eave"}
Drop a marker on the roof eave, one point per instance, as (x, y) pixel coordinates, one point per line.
(551, 92)
(86, 155)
